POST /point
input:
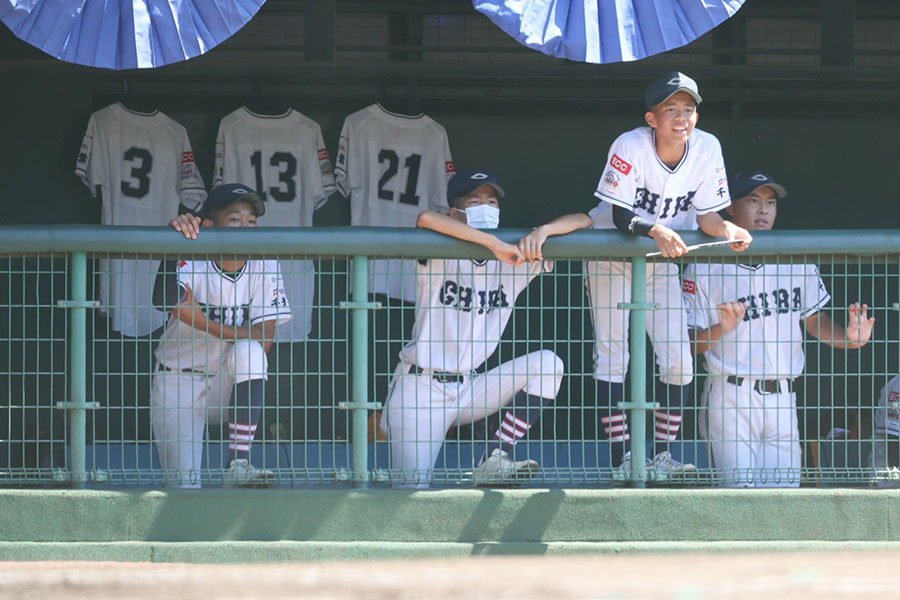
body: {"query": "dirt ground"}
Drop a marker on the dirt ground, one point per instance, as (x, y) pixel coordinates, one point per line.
(676, 576)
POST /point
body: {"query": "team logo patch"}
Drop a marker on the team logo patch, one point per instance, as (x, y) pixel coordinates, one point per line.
(620, 165)
(689, 287)
(323, 154)
(449, 167)
(182, 264)
(611, 179)
(894, 397)
(759, 177)
(187, 157)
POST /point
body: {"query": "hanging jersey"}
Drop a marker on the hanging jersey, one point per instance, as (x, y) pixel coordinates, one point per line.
(462, 308)
(253, 295)
(144, 167)
(768, 343)
(636, 179)
(392, 167)
(284, 158)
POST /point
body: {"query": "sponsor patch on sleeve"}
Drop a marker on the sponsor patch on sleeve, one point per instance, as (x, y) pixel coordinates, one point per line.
(619, 164)
(323, 154)
(187, 157)
(449, 167)
(689, 287)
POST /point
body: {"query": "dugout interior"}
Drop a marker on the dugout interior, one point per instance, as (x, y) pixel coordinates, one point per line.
(805, 89)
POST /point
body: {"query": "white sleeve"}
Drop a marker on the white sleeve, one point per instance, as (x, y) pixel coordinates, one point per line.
(712, 193)
(620, 178)
(89, 166)
(695, 298)
(815, 295)
(221, 149)
(269, 299)
(184, 275)
(190, 183)
(343, 175)
(325, 177)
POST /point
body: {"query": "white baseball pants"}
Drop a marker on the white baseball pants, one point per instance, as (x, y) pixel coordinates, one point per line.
(420, 409)
(182, 404)
(753, 437)
(609, 283)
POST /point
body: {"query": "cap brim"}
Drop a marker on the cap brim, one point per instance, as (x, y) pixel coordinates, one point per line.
(498, 189)
(258, 205)
(687, 91)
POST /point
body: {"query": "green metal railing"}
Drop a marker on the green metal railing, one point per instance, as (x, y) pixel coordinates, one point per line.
(342, 370)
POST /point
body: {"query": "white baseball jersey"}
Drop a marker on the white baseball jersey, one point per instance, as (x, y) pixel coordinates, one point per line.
(462, 308)
(636, 179)
(768, 343)
(284, 158)
(392, 167)
(887, 416)
(144, 167)
(253, 295)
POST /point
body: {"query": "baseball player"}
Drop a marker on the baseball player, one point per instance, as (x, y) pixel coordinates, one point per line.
(462, 308)
(885, 457)
(658, 179)
(142, 167)
(212, 355)
(747, 321)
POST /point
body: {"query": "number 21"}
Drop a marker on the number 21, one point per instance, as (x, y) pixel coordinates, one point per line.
(412, 164)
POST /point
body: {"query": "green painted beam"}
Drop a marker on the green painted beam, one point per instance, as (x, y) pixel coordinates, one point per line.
(410, 242)
(451, 516)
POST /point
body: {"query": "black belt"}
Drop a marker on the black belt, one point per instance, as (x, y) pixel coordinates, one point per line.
(440, 376)
(762, 386)
(191, 371)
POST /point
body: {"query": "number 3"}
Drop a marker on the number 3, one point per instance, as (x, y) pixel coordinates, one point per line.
(141, 163)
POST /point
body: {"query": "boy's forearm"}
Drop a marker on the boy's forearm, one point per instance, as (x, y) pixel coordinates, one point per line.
(193, 316)
(567, 224)
(821, 327)
(703, 339)
(264, 333)
(450, 226)
(714, 225)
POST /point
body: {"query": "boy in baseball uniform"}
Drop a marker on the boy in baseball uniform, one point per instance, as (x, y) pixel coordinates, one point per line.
(748, 321)
(212, 356)
(658, 179)
(462, 308)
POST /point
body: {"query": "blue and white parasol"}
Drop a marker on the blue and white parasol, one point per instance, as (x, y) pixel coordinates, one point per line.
(606, 31)
(126, 34)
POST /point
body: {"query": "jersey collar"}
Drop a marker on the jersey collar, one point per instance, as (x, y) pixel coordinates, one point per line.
(687, 149)
(231, 276)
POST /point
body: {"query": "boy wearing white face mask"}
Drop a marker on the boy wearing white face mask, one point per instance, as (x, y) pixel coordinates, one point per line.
(462, 308)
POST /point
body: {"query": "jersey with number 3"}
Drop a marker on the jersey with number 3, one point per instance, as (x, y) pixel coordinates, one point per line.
(144, 167)
(636, 179)
(768, 342)
(392, 167)
(284, 158)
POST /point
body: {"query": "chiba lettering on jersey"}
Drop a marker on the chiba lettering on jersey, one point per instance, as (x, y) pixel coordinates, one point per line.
(253, 295)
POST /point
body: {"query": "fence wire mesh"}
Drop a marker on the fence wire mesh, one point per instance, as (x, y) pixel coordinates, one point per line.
(472, 372)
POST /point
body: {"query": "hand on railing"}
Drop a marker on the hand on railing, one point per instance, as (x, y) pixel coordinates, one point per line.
(187, 224)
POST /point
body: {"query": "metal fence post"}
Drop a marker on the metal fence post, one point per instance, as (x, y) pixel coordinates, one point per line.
(359, 378)
(638, 370)
(76, 404)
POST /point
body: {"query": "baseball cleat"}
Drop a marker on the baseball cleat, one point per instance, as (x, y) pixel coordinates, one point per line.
(241, 473)
(663, 462)
(887, 478)
(622, 475)
(499, 469)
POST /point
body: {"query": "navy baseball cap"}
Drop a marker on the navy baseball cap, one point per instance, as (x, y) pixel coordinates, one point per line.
(466, 182)
(666, 86)
(748, 181)
(229, 193)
